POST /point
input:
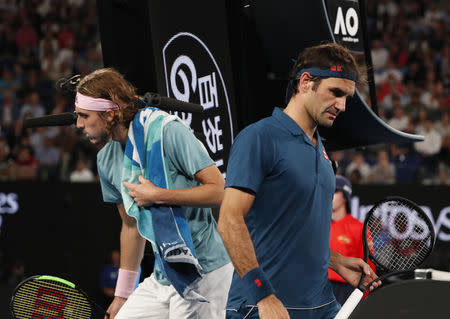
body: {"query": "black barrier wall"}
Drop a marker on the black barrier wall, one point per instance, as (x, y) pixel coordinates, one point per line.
(56, 229)
(66, 229)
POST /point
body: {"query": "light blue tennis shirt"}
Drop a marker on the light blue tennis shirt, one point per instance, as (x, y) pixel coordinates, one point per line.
(185, 157)
(289, 221)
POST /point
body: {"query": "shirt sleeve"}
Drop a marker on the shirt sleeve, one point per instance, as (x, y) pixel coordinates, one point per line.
(187, 154)
(250, 160)
(110, 193)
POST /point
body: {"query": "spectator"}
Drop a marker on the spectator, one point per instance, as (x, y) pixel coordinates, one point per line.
(48, 158)
(415, 74)
(82, 173)
(400, 120)
(415, 105)
(49, 66)
(37, 138)
(358, 163)
(391, 85)
(406, 164)
(383, 172)
(33, 106)
(420, 120)
(429, 148)
(432, 143)
(47, 44)
(25, 165)
(443, 126)
(380, 55)
(390, 102)
(8, 84)
(430, 98)
(9, 114)
(26, 36)
(65, 36)
(5, 161)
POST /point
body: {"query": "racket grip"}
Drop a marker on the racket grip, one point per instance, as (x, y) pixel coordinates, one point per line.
(351, 303)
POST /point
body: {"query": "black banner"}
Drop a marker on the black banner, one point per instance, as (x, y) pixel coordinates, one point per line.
(345, 23)
(192, 59)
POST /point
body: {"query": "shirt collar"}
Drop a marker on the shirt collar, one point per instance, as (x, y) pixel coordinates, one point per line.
(287, 122)
(292, 126)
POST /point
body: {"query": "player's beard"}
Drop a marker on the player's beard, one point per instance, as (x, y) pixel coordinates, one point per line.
(324, 117)
(99, 139)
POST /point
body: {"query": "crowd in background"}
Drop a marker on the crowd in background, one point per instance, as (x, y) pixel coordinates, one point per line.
(43, 41)
(40, 43)
(410, 42)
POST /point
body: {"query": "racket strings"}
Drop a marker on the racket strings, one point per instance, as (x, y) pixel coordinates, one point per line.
(49, 299)
(398, 237)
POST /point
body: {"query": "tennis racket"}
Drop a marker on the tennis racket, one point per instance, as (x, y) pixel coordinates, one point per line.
(397, 236)
(54, 298)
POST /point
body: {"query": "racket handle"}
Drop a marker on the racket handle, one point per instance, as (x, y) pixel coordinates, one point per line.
(350, 304)
(432, 274)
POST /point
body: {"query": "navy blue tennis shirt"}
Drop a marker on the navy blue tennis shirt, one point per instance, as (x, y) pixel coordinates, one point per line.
(289, 221)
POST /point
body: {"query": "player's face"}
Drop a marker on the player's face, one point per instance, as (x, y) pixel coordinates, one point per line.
(92, 125)
(328, 100)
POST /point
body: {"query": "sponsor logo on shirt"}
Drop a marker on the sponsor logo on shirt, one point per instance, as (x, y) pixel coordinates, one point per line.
(325, 154)
(344, 239)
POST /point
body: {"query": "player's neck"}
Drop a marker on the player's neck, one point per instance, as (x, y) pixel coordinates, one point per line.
(120, 134)
(297, 111)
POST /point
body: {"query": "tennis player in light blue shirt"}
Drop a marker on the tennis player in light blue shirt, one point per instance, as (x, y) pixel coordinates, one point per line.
(105, 107)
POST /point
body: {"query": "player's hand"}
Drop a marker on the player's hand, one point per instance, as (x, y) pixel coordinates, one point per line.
(144, 194)
(351, 270)
(271, 307)
(114, 307)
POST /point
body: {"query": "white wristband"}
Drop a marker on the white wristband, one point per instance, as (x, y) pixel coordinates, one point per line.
(126, 281)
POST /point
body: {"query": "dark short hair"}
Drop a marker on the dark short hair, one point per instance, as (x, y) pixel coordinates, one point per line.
(323, 56)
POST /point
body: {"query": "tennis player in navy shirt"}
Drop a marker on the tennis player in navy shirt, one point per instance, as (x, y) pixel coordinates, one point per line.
(276, 213)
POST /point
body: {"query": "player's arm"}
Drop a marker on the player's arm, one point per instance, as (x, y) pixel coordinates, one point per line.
(190, 158)
(132, 247)
(237, 240)
(234, 231)
(351, 269)
(209, 193)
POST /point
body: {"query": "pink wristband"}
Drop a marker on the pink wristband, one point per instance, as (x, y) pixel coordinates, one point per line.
(126, 281)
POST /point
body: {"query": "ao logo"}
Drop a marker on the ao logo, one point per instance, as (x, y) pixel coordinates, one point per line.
(348, 24)
(192, 74)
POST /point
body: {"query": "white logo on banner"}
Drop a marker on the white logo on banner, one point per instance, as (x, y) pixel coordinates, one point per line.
(348, 25)
(441, 223)
(183, 81)
(8, 205)
(176, 70)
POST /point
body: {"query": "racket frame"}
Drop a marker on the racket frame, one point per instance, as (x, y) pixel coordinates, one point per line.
(94, 306)
(367, 251)
(356, 296)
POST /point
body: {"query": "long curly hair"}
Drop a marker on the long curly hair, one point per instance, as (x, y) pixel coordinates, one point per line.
(107, 83)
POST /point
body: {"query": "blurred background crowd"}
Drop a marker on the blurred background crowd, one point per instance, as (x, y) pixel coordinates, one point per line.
(42, 41)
